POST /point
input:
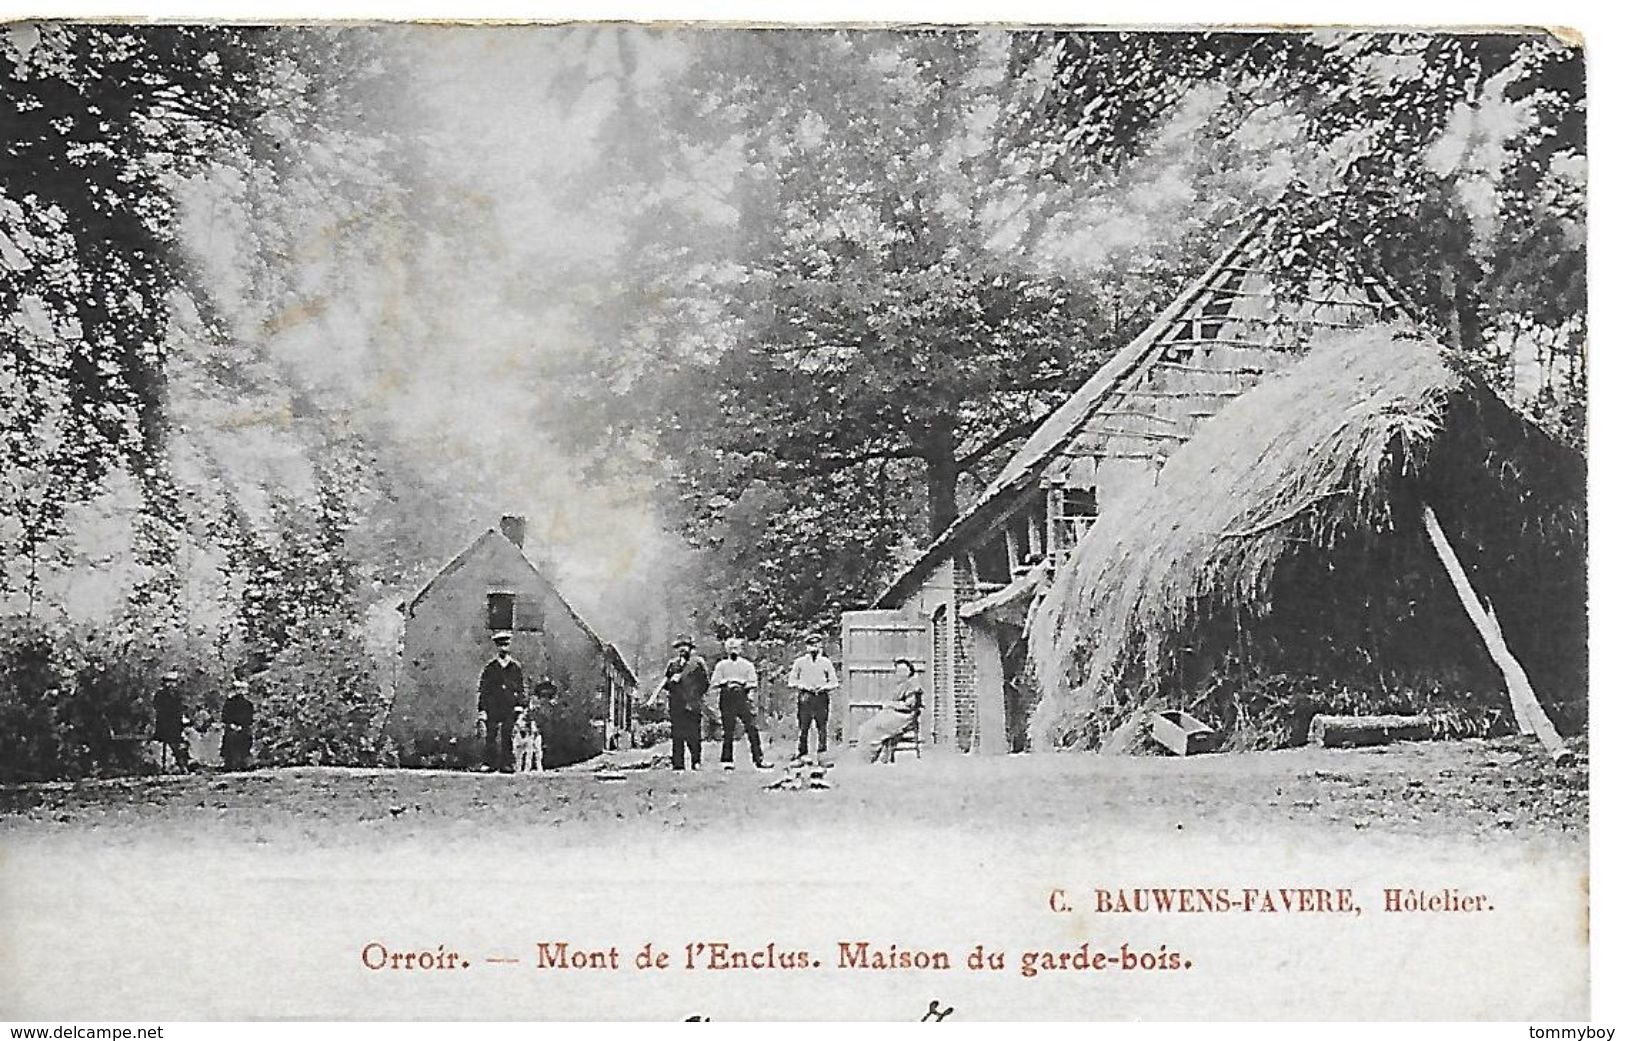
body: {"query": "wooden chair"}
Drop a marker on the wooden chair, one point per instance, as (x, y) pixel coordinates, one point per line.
(907, 740)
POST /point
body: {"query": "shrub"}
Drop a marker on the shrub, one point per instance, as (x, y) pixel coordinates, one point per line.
(653, 735)
(34, 680)
(319, 701)
(570, 734)
(105, 716)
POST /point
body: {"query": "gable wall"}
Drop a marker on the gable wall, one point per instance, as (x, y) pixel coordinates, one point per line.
(446, 644)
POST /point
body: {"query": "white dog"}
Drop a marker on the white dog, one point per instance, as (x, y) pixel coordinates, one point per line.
(527, 742)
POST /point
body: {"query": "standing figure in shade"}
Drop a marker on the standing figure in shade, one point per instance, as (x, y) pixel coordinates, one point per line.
(502, 688)
(169, 720)
(735, 681)
(812, 677)
(237, 743)
(685, 686)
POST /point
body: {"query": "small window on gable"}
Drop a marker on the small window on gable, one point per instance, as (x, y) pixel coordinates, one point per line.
(499, 611)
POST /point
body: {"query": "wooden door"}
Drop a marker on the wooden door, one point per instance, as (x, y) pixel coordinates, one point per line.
(871, 643)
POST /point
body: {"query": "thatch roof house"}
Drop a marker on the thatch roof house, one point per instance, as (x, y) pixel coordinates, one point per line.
(1281, 562)
(959, 610)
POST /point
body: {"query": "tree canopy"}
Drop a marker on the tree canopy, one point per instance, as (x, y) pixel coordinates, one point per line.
(858, 266)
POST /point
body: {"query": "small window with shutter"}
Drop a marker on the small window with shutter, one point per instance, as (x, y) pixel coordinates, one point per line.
(528, 615)
(499, 611)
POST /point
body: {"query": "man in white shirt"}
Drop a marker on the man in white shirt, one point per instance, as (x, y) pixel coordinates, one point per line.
(812, 677)
(734, 677)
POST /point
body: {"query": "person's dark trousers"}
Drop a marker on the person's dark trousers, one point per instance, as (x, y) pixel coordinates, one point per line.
(499, 744)
(685, 736)
(736, 707)
(235, 748)
(813, 708)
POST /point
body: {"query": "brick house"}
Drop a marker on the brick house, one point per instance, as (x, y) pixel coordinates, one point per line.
(492, 586)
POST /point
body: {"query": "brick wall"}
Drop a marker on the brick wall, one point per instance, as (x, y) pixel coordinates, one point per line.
(964, 664)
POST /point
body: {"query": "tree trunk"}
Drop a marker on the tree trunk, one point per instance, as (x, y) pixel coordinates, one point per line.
(1466, 331)
(941, 479)
(1525, 706)
(1470, 329)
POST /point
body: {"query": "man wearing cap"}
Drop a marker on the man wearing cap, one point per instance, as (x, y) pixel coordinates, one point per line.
(502, 686)
(685, 686)
(812, 677)
(735, 681)
(169, 719)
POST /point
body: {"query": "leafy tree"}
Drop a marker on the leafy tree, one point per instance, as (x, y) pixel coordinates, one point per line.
(818, 295)
(111, 134)
(98, 123)
(1456, 161)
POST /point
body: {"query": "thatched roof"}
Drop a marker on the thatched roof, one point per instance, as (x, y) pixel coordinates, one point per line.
(1342, 444)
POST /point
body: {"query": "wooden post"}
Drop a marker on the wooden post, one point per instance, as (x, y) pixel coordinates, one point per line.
(1525, 706)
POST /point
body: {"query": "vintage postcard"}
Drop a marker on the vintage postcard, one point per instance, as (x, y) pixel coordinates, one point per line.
(649, 522)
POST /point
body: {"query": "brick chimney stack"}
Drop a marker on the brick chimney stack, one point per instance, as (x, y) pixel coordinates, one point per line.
(513, 526)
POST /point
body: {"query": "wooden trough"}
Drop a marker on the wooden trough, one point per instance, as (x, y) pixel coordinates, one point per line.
(1182, 733)
(1359, 731)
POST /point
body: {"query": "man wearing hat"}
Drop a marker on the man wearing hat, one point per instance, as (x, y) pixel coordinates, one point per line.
(169, 719)
(685, 686)
(812, 677)
(502, 687)
(735, 680)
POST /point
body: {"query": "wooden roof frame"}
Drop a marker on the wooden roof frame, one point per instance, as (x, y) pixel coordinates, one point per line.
(1059, 428)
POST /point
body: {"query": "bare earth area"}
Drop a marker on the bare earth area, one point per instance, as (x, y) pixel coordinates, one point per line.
(1496, 791)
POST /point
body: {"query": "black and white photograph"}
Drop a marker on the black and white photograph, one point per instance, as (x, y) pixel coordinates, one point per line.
(609, 521)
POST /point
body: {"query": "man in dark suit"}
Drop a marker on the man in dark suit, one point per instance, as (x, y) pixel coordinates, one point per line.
(502, 687)
(169, 719)
(685, 686)
(237, 743)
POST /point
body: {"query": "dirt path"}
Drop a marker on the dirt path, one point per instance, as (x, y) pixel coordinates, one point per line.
(1490, 791)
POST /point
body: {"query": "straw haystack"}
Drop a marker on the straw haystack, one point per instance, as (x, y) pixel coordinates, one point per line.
(1282, 565)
